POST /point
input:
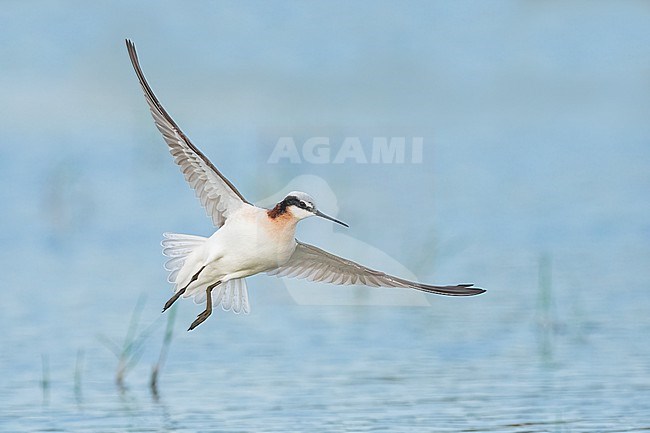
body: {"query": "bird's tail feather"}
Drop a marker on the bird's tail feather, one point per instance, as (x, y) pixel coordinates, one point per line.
(177, 247)
(231, 295)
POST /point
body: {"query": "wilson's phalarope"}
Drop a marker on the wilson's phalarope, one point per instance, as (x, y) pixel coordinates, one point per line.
(249, 239)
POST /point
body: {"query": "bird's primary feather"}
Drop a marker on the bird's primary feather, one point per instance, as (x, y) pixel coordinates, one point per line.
(216, 193)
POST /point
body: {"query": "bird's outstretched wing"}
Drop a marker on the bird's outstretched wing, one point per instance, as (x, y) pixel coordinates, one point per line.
(317, 265)
(217, 194)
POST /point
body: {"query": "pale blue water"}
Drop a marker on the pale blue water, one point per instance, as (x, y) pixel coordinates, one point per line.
(533, 184)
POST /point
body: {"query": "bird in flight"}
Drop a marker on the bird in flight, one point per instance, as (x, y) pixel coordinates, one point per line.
(249, 240)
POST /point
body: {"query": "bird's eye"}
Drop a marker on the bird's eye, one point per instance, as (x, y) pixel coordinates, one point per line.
(303, 204)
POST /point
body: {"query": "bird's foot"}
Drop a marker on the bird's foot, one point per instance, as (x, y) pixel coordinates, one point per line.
(173, 299)
(200, 319)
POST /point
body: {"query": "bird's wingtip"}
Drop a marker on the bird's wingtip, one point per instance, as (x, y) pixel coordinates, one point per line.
(471, 289)
(466, 290)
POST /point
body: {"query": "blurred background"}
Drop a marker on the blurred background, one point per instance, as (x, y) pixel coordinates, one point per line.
(532, 183)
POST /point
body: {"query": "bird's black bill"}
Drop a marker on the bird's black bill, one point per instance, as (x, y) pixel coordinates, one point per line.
(322, 215)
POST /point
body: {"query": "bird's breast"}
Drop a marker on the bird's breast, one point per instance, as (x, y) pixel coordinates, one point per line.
(255, 242)
(278, 238)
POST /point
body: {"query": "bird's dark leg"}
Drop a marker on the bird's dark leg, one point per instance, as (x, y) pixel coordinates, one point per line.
(181, 291)
(208, 308)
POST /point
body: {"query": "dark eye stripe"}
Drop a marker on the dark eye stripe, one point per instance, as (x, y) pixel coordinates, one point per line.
(296, 202)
